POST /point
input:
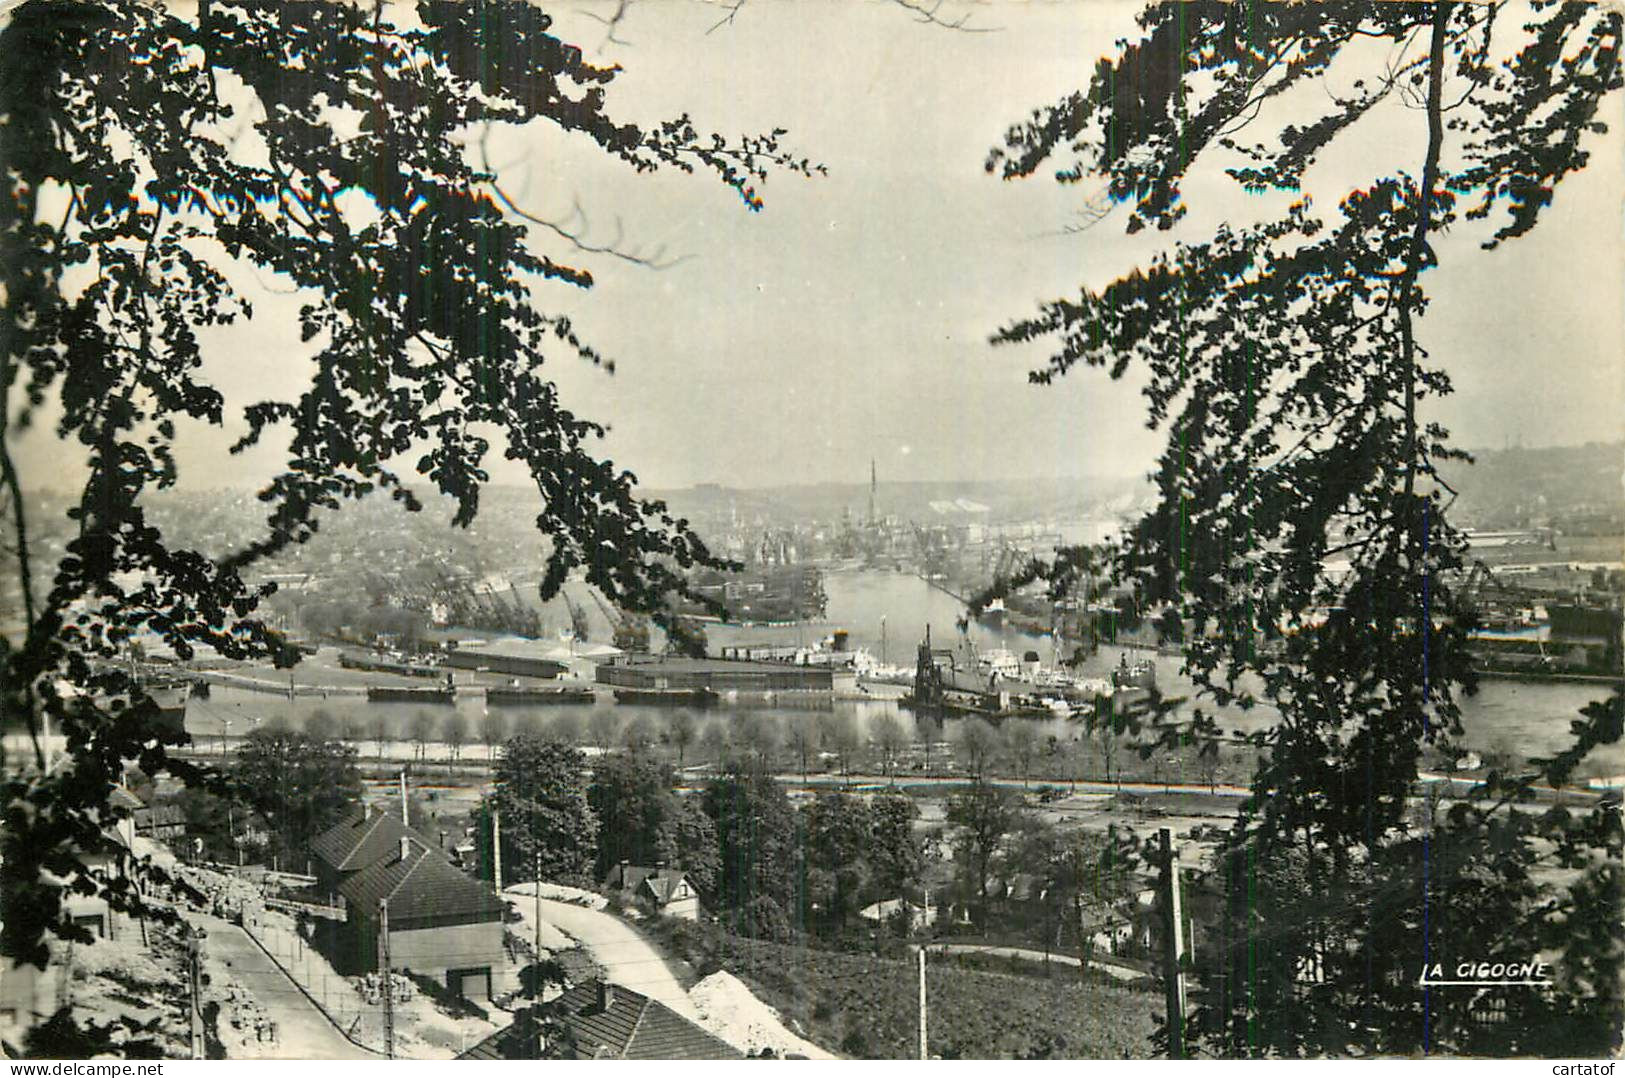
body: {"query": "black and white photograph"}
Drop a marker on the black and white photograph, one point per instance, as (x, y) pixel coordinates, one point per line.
(836, 530)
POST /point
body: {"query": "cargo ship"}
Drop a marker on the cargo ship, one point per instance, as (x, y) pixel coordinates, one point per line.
(501, 697)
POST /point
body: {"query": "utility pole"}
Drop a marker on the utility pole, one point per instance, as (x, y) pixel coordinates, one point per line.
(388, 978)
(194, 979)
(1174, 950)
(496, 848)
(536, 982)
(404, 818)
(923, 1054)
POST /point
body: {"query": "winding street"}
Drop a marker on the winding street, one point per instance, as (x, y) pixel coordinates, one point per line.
(628, 959)
(303, 1031)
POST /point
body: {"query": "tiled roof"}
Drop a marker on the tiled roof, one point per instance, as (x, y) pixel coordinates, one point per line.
(361, 841)
(632, 1027)
(421, 885)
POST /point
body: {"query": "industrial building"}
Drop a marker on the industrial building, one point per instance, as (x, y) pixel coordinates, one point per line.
(442, 923)
(515, 658)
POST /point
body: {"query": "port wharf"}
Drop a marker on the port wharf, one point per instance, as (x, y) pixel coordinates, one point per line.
(725, 677)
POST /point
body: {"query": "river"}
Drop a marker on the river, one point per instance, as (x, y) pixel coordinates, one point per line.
(888, 613)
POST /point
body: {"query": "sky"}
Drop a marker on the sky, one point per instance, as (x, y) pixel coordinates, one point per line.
(849, 320)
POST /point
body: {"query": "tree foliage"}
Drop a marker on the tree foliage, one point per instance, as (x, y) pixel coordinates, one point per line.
(1283, 360)
(985, 814)
(548, 827)
(859, 851)
(302, 786)
(159, 156)
(643, 820)
(760, 852)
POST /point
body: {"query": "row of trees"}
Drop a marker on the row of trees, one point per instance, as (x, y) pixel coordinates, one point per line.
(770, 869)
(1096, 749)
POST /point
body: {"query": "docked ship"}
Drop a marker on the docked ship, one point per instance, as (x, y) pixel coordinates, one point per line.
(1138, 675)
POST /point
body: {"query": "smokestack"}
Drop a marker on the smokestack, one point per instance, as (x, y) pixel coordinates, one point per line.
(606, 996)
(406, 847)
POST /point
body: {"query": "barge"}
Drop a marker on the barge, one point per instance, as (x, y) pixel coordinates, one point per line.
(381, 694)
(508, 697)
(667, 697)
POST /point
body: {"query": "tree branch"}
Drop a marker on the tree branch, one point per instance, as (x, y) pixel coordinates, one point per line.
(929, 15)
(611, 24)
(565, 227)
(923, 12)
(1419, 245)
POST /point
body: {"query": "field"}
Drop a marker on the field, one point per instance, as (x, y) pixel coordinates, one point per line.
(866, 1006)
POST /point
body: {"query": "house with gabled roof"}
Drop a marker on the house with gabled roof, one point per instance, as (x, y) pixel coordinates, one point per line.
(599, 1020)
(668, 891)
(442, 923)
(357, 843)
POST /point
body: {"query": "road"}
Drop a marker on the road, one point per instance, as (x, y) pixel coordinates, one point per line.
(1082, 787)
(303, 1031)
(1122, 973)
(627, 957)
(732, 1012)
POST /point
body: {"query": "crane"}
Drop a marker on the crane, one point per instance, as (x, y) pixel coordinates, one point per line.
(630, 634)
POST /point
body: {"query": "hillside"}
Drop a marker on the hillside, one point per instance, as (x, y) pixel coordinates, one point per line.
(865, 1006)
(1576, 489)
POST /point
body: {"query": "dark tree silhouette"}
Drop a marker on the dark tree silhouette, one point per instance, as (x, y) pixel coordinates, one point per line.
(155, 156)
(302, 785)
(493, 729)
(454, 731)
(984, 815)
(547, 824)
(760, 853)
(421, 730)
(1283, 359)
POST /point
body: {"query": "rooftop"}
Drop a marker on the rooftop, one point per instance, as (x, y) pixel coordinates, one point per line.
(421, 885)
(362, 840)
(632, 1026)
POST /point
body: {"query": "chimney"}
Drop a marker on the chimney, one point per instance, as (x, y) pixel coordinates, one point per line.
(406, 847)
(606, 997)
